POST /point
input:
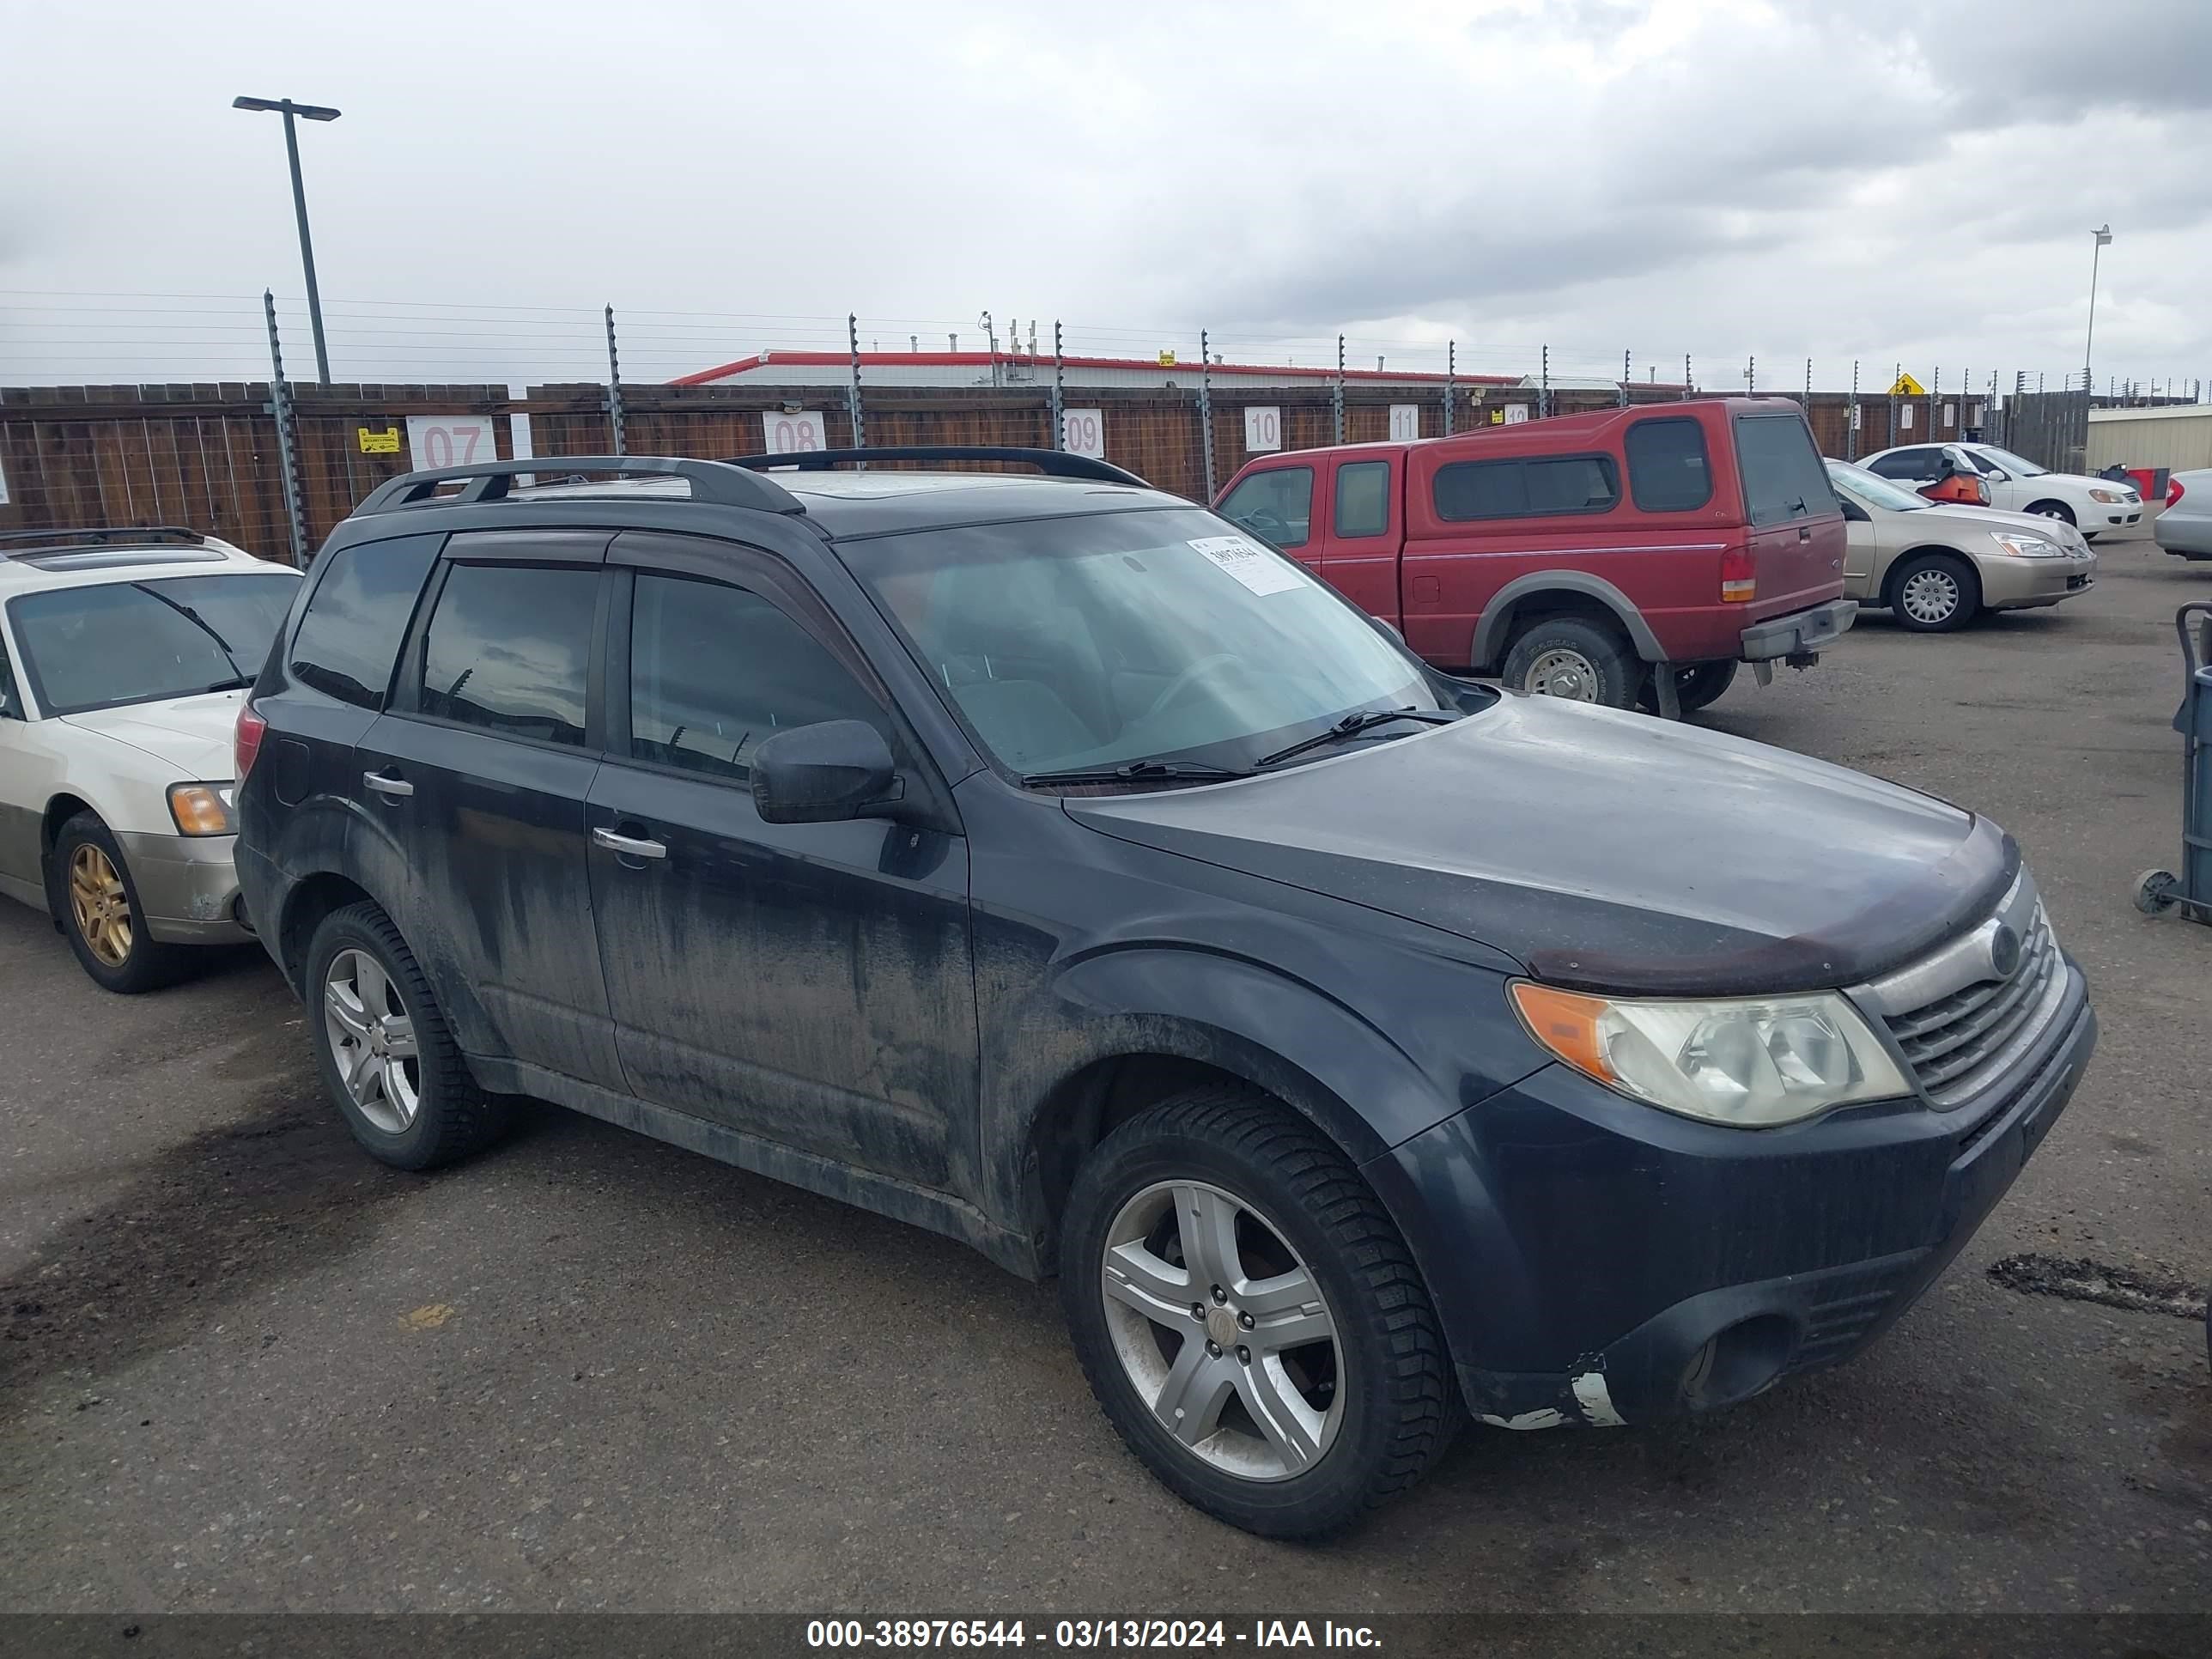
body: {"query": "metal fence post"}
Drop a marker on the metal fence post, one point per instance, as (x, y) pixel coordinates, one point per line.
(853, 390)
(1058, 392)
(1751, 376)
(1808, 388)
(1206, 406)
(1336, 392)
(1451, 383)
(1851, 418)
(1685, 377)
(614, 386)
(1544, 388)
(1893, 380)
(287, 457)
(1625, 372)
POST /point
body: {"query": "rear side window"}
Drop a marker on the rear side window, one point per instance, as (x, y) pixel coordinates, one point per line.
(1783, 476)
(1904, 464)
(1276, 506)
(346, 643)
(1530, 487)
(714, 671)
(1362, 498)
(1667, 470)
(509, 648)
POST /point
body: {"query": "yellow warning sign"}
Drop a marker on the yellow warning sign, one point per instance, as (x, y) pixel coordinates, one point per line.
(378, 443)
(1167, 360)
(1907, 386)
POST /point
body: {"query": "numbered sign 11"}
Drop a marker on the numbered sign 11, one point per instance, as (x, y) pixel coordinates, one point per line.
(435, 440)
(791, 435)
(1083, 432)
(1263, 429)
(1404, 423)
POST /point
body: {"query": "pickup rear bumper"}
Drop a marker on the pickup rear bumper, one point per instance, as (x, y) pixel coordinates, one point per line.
(1799, 631)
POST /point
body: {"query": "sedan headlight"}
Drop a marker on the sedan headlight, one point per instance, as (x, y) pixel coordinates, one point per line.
(2109, 497)
(201, 809)
(2020, 544)
(1751, 1064)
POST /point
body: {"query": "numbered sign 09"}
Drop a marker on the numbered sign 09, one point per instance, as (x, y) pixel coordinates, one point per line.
(435, 440)
(1083, 432)
(791, 435)
(1263, 429)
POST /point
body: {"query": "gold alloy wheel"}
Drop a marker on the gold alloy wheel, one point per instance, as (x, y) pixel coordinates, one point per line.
(102, 906)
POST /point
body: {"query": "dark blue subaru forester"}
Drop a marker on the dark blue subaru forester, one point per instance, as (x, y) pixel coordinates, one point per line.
(1040, 861)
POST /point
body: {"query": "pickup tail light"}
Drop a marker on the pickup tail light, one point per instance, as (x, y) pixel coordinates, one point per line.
(2174, 492)
(1739, 579)
(245, 743)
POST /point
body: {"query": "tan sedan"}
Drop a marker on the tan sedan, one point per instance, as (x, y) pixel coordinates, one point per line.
(1938, 567)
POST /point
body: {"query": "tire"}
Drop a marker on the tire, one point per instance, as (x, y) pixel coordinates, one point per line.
(1368, 1407)
(1698, 686)
(2054, 510)
(2157, 893)
(1571, 656)
(1934, 592)
(93, 896)
(413, 1107)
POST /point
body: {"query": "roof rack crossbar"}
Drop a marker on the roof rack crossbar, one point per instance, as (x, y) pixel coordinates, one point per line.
(1053, 463)
(103, 535)
(490, 481)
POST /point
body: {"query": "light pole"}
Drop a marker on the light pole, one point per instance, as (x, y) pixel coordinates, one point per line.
(2103, 235)
(309, 113)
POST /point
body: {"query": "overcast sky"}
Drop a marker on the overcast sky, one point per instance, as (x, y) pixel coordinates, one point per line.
(1889, 180)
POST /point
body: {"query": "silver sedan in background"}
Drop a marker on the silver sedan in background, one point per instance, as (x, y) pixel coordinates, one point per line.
(2185, 528)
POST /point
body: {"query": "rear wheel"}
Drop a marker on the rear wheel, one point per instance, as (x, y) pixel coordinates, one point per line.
(1574, 658)
(97, 902)
(1248, 1317)
(1934, 592)
(1698, 686)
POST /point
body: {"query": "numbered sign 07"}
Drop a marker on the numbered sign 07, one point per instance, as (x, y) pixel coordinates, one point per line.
(791, 435)
(449, 441)
(1263, 429)
(1083, 432)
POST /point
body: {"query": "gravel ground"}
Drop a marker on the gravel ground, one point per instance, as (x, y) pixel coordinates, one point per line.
(246, 1369)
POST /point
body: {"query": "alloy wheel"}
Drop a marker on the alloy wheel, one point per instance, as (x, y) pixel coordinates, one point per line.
(99, 905)
(1563, 673)
(1930, 596)
(1222, 1330)
(372, 1039)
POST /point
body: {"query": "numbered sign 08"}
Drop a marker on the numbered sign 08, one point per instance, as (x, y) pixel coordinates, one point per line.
(449, 441)
(1263, 429)
(791, 435)
(1083, 432)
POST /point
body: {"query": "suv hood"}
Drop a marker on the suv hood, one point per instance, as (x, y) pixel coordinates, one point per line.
(1605, 850)
(191, 735)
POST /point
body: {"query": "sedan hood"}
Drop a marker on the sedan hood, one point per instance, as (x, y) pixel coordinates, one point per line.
(1990, 518)
(1604, 850)
(191, 735)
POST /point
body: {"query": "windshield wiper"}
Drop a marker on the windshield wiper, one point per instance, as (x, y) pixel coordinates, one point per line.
(205, 627)
(235, 683)
(1352, 724)
(1139, 771)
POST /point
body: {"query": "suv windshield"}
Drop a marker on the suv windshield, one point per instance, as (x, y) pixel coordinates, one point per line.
(104, 646)
(1872, 487)
(1118, 638)
(2018, 466)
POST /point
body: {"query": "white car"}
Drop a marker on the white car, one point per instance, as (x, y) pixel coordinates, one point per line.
(2017, 484)
(124, 655)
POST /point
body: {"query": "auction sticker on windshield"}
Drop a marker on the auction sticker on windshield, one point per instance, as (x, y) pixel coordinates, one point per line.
(1251, 564)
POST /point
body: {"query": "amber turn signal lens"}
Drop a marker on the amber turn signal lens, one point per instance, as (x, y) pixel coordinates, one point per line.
(1565, 1024)
(198, 810)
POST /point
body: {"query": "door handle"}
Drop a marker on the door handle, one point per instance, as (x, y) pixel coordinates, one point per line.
(1804, 535)
(396, 788)
(629, 847)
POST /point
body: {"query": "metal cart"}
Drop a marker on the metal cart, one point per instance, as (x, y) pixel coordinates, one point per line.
(2158, 891)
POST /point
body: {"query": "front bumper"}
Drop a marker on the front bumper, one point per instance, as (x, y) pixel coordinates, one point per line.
(187, 888)
(1799, 631)
(2009, 583)
(1598, 1261)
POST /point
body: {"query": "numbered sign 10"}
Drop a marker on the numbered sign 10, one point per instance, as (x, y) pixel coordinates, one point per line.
(1404, 423)
(791, 435)
(435, 440)
(1263, 429)
(1083, 432)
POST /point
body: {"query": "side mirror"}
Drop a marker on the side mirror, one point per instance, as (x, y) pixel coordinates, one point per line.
(826, 773)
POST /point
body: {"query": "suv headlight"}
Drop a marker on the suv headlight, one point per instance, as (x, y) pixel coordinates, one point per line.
(201, 809)
(1748, 1063)
(2023, 545)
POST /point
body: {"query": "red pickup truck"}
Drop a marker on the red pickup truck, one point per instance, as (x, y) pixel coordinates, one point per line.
(1578, 556)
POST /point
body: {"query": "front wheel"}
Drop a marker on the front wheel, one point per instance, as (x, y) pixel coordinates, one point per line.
(2057, 510)
(1580, 660)
(97, 902)
(1934, 592)
(1250, 1319)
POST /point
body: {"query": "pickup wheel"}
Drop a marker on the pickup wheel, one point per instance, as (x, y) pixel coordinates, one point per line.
(1249, 1318)
(1574, 658)
(1934, 592)
(1698, 686)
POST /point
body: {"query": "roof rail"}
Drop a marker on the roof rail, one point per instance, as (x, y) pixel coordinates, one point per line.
(1053, 463)
(491, 481)
(101, 536)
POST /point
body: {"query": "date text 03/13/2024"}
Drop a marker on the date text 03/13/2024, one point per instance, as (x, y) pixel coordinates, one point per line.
(1086, 1633)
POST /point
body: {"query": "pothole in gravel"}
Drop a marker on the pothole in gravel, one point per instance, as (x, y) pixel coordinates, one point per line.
(2079, 1279)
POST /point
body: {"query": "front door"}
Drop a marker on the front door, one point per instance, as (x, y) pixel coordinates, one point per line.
(809, 983)
(478, 775)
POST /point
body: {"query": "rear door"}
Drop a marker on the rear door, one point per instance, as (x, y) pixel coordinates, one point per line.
(1365, 528)
(1795, 524)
